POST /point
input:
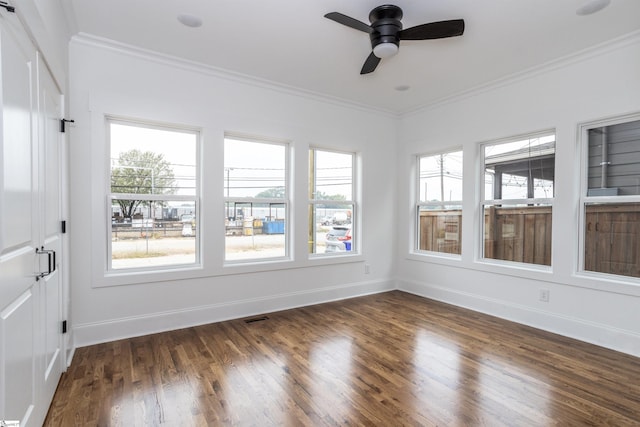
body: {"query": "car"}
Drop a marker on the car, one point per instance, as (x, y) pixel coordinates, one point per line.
(338, 239)
(187, 229)
(187, 218)
(341, 218)
(327, 220)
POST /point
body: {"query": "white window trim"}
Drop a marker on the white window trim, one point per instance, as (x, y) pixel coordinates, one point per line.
(211, 139)
(583, 147)
(480, 258)
(355, 214)
(286, 201)
(109, 272)
(415, 246)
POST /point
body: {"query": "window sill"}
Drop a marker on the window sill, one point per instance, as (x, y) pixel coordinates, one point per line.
(435, 257)
(323, 259)
(583, 279)
(521, 270)
(128, 278)
(133, 277)
(625, 285)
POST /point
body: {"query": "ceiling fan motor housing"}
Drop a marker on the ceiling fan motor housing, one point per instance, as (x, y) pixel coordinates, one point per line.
(385, 21)
(386, 32)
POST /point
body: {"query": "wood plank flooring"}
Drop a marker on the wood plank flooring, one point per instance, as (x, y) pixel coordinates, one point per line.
(382, 360)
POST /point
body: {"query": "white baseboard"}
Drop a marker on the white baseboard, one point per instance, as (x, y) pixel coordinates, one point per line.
(114, 329)
(70, 354)
(599, 334)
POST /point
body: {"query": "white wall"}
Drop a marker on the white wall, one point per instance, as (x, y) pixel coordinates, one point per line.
(50, 31)
(109, 79)
(590, 86)
(106, 79)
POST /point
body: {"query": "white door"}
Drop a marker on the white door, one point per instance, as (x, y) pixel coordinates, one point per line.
(30, 357)
(51, 363)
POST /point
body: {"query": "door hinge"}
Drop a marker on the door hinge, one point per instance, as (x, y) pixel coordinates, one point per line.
(63, 123)
(7, 6)
(64, 326)
(63, 227)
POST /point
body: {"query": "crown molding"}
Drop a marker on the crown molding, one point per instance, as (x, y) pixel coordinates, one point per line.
(194, 66)
(573, 58)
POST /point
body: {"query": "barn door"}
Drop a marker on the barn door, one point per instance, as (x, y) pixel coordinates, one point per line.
(30, 300)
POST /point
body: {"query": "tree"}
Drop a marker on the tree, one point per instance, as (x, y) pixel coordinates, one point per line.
(272, 193)
(138, 172)
(321, 195)
(334, 197)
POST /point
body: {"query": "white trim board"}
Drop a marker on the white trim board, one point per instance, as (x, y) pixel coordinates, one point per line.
(128, 327)
(591, 332)
(185, 64)
(555, 64)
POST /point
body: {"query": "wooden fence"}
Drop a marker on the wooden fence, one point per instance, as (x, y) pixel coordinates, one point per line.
(523, 234)
(514, 234)
(612, 239)
(440, 231)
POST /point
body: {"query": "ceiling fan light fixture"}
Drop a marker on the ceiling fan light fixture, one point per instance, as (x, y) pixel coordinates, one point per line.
(385, 50)
(190, 20)
(386, 32)
(592, 6)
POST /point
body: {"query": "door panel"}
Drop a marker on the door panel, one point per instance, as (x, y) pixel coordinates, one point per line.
(31, 360)
(19, 354)
(49, 113)
(19, 231)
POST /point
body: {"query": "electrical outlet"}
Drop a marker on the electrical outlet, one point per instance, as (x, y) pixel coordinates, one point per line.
(544, 295)
(367, 269)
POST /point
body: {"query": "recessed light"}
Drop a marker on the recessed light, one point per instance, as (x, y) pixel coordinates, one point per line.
(190, 20)
(592, 6)
(402, 88)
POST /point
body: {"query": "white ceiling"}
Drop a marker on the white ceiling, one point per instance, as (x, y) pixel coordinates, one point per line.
(289, 42)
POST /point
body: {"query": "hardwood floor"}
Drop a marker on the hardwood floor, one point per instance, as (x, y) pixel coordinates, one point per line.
(386, 360)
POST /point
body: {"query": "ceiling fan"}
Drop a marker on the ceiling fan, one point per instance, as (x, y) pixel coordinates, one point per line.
(386, 32)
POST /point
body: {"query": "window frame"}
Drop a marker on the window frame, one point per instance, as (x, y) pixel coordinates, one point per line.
(535, 201)
(286, 201)
(195, 198)
(440, 205)
(584, 199)
(355, 214)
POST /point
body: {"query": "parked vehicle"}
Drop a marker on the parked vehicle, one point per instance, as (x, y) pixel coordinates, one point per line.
(187, 229)
(338, 239)
(340, 218)
(187, 218)
(327, 220)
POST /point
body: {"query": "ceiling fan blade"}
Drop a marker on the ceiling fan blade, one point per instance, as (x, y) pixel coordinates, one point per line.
(349, 21)
(434, 30)
(370, 64)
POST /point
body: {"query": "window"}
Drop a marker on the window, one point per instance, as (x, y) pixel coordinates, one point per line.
(439, 207)
(611, 199)
(332, 209)
(256, 199)
(517, 198)
(153, 196)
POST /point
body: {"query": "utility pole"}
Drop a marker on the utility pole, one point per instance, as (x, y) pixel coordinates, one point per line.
(442, 177)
